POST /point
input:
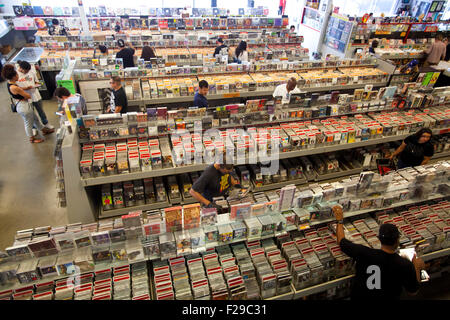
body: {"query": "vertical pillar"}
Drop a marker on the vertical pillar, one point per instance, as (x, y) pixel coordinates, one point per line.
(84, 22)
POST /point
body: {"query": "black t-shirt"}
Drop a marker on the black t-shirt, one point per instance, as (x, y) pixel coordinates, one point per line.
(212, 183)
(127, 55)
(395, 272)
(119, 99)
(217, 51)
(415, 152)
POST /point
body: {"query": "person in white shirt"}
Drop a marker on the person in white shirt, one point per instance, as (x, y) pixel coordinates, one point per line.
(29, 82)
(285, 90)
(241, 53)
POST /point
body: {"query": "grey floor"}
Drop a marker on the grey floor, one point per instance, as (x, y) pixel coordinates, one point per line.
(27, 180)
(28, 192)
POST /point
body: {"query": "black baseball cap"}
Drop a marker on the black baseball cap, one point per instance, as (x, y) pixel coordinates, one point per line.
(220, 40)
(388, 234)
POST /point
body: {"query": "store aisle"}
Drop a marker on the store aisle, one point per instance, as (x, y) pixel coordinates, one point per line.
(27, 182)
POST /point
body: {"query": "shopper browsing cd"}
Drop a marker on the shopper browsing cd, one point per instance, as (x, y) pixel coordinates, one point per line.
(147, 53)
(380, 273)
(415, 150)
(21, 102)
(126, 53)
(436, 52)
(200, 96)
(215, 181)
(220, 46)
(285, 90)
(29, 82)
(241, 54)
(76, 99)
(119, 101)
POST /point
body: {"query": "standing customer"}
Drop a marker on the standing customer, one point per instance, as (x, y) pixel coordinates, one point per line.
(436, 52)
(126, 53)
(220, 46)
(373, 46)
(63, 94)
(147, 53)
(415, 150)
(380, 273)
(241, 53)
(20, 99)
(119, 101)
(28, 81)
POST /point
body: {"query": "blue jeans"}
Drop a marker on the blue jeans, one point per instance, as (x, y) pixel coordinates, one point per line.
(30, 119)
(38, 106)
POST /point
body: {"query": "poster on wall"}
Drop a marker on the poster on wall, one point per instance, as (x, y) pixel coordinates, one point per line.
(339, 29)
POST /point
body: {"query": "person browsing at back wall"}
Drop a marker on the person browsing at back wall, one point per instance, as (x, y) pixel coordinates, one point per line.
(285, 90)
(436, 52)
(380, 273)
(200, 96)
(119, 101)
(241, 54)
(220, 46)
(147, 53)
(126, 53)
(415, 150)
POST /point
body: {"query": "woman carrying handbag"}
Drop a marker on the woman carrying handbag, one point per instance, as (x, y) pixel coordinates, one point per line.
(23, 107)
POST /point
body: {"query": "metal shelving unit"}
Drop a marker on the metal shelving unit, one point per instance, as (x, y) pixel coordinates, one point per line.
(246, 94)
(234, 125)
(364, 211)
(144, 174)
(280, 185)
(126, 210)
(282, 155)
(339, 174)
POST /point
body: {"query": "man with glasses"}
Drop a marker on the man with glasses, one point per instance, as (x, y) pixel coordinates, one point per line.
(119, 101)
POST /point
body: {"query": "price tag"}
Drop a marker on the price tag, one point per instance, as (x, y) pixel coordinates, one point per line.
(232, 95)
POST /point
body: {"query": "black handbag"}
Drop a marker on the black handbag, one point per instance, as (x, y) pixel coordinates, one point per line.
(14, 105)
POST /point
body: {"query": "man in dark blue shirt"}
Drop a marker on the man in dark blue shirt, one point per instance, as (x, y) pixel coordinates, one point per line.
(200, 96)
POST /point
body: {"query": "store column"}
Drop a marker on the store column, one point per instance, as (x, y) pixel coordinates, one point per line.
(84, 22)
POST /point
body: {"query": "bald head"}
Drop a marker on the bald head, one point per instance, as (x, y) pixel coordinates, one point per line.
(291, 84)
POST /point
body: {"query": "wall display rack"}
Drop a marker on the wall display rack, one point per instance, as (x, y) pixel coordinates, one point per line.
(402, 40)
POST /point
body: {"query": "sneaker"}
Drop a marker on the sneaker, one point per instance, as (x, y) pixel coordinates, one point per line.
(48, 125)
(35, 132)
(46, 130)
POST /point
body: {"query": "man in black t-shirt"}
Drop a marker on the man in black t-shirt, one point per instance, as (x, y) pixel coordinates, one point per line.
(220, 46)
(126, 54)
(415, 150)
(380, 273)
(215, 181)
(119, 101)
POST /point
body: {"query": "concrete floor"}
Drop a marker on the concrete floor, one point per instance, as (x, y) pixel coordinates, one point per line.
(27, 180)
(28, 191)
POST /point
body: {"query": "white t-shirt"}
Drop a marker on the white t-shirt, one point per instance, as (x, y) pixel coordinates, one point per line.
(282, 91)
(29, 79)
(243, 56)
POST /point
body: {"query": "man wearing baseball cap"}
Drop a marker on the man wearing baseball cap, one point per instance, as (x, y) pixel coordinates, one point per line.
(380, 273)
